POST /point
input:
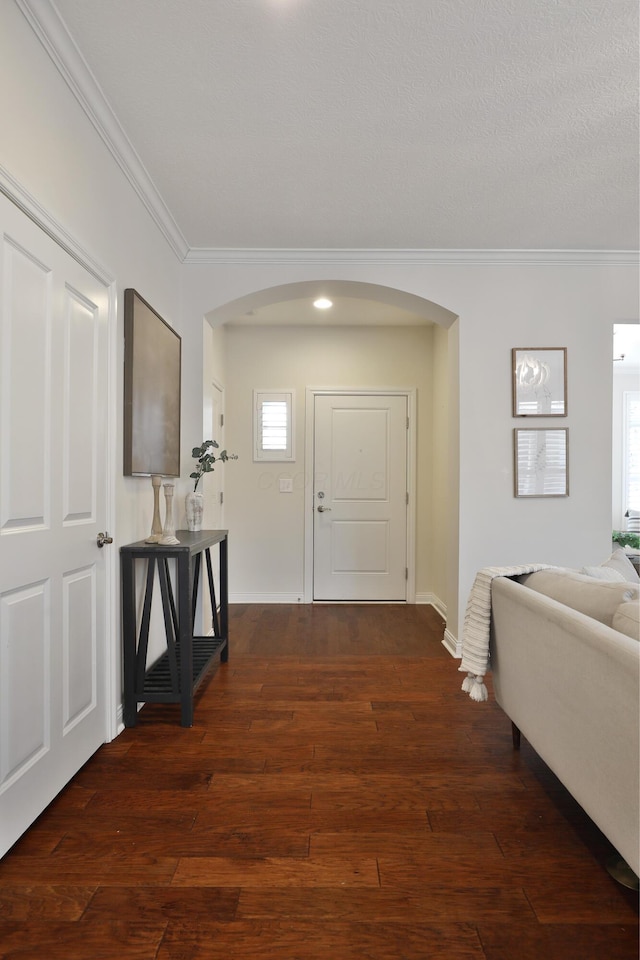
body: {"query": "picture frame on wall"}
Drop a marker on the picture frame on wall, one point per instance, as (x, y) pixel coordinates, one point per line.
(541, 462)
(539, 377)
(152, 384)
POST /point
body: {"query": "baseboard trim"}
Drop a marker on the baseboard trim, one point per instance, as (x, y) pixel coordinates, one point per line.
(266, 597)
(423, 598)
(450, 643)
(119, 722)
(434, 601)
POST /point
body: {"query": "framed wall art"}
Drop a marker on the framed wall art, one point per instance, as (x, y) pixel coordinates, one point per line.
(539, 381)
(541, 462)
(152, 373)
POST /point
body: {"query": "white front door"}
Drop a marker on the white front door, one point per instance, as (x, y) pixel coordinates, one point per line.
(53, 464)
(360, 497)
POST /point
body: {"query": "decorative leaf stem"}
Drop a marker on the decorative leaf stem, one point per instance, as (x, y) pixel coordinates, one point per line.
(205, 457)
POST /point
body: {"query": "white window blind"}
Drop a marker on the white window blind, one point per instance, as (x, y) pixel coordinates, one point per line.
(273, 425)
(631, 450)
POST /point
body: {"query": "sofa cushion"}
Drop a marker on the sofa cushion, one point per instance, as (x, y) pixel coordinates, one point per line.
(626, 619)
(599, 599)
(620, 562)
(604, 573)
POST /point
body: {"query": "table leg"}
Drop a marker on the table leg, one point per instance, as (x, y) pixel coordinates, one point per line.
(212, 595)
(185, 632)
(224, 599)
(129, 641)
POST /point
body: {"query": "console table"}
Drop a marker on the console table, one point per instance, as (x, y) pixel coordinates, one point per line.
(176, 675)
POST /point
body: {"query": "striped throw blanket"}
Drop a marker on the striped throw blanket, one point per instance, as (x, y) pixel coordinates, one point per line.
(477, 625)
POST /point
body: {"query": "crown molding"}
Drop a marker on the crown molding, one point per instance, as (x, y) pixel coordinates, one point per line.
(45, 21)
(25, 201)
(200, 255)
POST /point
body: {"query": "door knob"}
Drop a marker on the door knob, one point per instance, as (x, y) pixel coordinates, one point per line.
(103, 538)
(322, 509)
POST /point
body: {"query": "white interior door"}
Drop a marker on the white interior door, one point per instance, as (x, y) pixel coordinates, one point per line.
(214, 482)
(360, 497)
(53, 462)
(212, 485)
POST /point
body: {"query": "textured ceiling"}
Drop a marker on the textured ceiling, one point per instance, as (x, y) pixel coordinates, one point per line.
(373, 124)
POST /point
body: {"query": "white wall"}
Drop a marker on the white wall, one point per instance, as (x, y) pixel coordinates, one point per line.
(441, 497)
(267, 539)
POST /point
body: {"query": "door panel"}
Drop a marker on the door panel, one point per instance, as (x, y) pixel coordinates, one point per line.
(24, 680)
(26, 389)
(360, 546)
(78, 645)
(53, 464)
(360, 487)
(80, 382)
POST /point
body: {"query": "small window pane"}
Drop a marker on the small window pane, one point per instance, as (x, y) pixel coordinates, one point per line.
(631, 451)
(273, 425)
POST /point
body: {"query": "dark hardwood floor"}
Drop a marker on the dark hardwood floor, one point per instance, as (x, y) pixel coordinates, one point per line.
(337, 798)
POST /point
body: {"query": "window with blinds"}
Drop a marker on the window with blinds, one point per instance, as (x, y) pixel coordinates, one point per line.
(631, 451)
(273, 425)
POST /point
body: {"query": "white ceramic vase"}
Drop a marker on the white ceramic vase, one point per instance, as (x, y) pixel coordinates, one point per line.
(194, 508)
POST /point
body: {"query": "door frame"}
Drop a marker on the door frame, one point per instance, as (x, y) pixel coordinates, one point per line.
(310, 395)
(30, 206)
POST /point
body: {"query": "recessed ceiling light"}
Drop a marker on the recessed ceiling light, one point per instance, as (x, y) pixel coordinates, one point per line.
(322, 303)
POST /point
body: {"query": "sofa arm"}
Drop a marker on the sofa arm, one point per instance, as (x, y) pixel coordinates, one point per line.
(571, 685)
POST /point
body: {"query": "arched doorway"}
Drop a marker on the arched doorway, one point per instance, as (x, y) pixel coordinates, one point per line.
(271, 317)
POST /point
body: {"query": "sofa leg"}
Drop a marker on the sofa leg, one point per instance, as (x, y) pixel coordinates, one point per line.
(620, 870)
(515, 736)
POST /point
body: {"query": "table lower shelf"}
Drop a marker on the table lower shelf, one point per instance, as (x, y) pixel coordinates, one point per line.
(158, 686)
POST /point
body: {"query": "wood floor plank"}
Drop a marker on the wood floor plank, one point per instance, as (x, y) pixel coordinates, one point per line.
(407, 844)
(335, 711)
(72, 799)
(589, 941)
(246, 817)
(280, 787)
(250, 841)
(512, 810)
(276, 872)
(48, 870)
(364, 726)
(144, 804)
(162, 904)
(443, 903)
(41, 839)
(44, 902)
(133, 772)
(314, 820)
(80, 941)
(596, 900)
(291, 940)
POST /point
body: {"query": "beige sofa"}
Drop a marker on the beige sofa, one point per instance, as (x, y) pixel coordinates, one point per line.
(565, 666)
